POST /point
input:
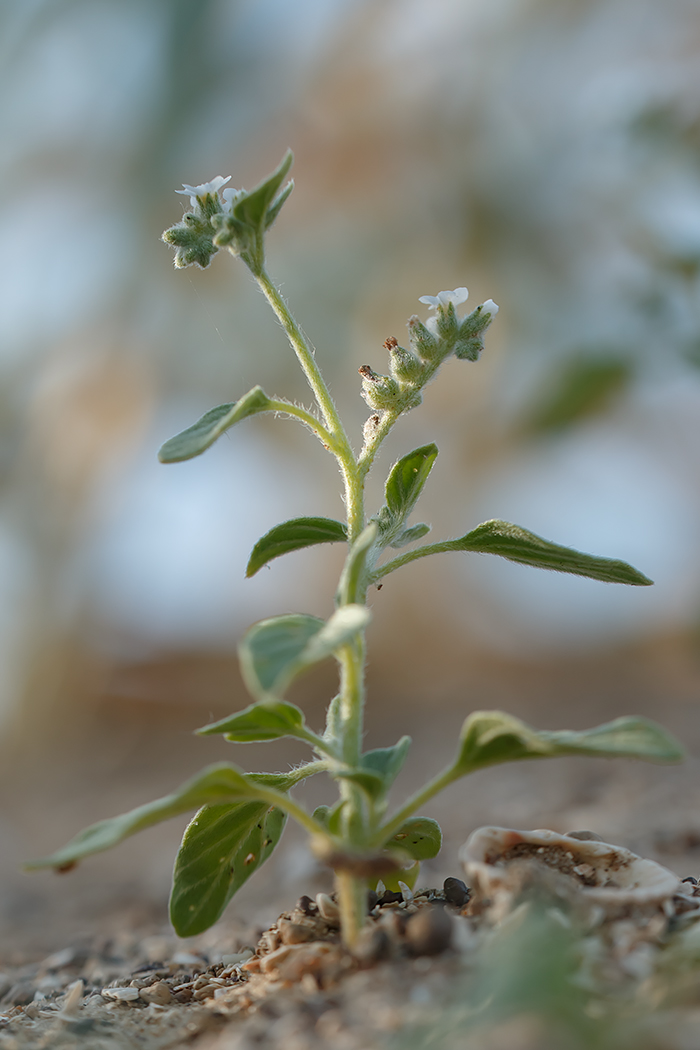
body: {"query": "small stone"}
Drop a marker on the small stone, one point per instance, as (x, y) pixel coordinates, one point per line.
(121, 995)
(329, 909)
(689, 878)
(295, 933)
(456, 892)
(207, 992)
(306, 905)
(158, 993)
(429, 931)
(390, 897)
(584, 836)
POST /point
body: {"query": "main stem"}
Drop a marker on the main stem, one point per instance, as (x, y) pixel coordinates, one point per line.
(351, 890)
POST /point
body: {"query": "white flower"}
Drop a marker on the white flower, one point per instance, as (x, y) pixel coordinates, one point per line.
(459, 295)
(204, 188)
(230, 197)
(489, 307)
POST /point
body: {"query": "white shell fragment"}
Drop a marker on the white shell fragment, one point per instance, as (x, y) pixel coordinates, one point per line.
(603, 874)
(121, 995)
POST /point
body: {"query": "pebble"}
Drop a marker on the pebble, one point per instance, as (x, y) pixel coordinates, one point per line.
(295, 933)
(158, 993)
(456, 892)
(429, 931)
(121, 995)
(328, 908)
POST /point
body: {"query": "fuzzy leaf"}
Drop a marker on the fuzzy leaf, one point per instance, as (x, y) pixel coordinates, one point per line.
(220, 850)
(420, 837)
(221, 783)
(516, 544)
(275, 651)
(406, 480)
(387, 761)
(491, 737)
(293, 536)
(266, 720)
(197, 438)
(416, 532)
(252, 208)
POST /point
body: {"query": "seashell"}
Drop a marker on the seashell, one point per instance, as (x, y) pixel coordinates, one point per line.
(602, 874)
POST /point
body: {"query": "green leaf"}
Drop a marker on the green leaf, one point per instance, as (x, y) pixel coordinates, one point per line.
(585, 386)
(356, 569)
(406, 480)
(516, 544)
(330, 816)
(197, 438)
(275, 651)
(252, 208)
(416, 532)
(491, 737)
(221, 783)
(293, 536)
(367, 779)
(387, 761)
(265, 720)
(221, 848)
(420, 837)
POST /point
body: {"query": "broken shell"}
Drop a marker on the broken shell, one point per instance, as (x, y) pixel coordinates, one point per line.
(603, 874)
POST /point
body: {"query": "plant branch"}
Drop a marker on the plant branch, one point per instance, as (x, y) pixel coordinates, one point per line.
(414, 555)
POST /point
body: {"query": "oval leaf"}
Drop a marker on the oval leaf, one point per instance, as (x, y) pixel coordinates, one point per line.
(275, 651)
(197, 438)
(266, 720)
(293, 536)
(491, 737)
(420, 837)
(387, 761)
(516, 544)
(406, 480)
(217, 784)
(221, 848)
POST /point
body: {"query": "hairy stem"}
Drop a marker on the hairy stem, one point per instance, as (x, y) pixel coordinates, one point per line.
(414, 555)
(432, 788)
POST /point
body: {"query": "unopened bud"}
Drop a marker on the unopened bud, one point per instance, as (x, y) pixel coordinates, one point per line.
(404, 365)
(423, 342)
(380, 392)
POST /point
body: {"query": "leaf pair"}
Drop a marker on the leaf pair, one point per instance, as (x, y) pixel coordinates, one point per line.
(403, 487)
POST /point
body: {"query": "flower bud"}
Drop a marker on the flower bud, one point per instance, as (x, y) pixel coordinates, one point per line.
(405, 366)
(422, 341)
(380, 392)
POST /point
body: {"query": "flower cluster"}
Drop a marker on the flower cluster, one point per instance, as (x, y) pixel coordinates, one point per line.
(443, 334)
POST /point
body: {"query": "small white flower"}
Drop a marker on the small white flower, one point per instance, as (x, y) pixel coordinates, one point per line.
(489, 307)
(204, 188)
(459, 295)
(230, 197)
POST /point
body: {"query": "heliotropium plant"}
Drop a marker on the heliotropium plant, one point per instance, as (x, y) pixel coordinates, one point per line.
(240, 816)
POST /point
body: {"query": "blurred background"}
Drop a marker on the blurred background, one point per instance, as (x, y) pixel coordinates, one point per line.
(546, 153)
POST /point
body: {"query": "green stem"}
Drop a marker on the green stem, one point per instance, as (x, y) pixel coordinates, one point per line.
(314, 424)
(432, 788)
(371, 448)
(352, 902)
(420, 552)
(306, 359)
(284, 802)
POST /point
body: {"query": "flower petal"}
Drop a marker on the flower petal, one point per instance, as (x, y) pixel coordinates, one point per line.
(489, 307)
